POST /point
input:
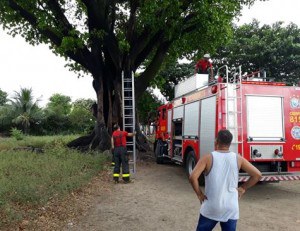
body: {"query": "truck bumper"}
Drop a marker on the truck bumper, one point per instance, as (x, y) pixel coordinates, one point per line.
(269, 177)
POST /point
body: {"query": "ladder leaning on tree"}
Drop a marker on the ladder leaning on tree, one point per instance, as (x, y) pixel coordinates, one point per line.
(128, 107)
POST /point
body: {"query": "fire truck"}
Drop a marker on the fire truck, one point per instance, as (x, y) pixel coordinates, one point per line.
(262, 115)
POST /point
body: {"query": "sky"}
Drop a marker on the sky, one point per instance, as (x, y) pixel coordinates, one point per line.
(36, 67)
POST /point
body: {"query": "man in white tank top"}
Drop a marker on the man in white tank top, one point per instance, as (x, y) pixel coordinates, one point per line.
(221, 170)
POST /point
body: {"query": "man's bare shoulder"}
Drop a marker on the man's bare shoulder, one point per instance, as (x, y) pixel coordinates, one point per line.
(206, 157)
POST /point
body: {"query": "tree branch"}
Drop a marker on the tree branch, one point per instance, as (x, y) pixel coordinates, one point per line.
(80, 56)
(143, 81)
(113, 16)
(132, 20)
(60, 16)
(144, 46)
(97, 12)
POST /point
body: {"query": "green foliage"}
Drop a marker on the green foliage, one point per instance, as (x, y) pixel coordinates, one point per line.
(105, 38)
(17, 134)
(134, 28)
(60, 104)
(6, 118)
(23, 110)
(81, 117)
(147, 106)
(30, 179)
(275, 48)
(57, 115)
(3, 97)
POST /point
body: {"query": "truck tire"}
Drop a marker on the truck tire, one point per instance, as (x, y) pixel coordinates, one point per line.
(159, 152)
(190, 165)
(190, 162)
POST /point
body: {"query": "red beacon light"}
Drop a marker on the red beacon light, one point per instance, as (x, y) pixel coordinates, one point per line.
(278, 153)
(214, 89)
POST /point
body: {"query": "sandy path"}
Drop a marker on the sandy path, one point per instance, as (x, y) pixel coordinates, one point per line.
(162, 199)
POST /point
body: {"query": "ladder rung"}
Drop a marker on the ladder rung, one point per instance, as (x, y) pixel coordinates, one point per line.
(129, 117)
(232, 97)
(234, 128)
(232, 112)
(127, 89)
(128, 98)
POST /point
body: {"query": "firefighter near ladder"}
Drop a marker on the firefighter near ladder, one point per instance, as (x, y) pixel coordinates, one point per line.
(120, 156)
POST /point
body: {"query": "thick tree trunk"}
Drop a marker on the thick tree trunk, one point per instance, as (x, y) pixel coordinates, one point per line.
(99, 139)
(108, 111)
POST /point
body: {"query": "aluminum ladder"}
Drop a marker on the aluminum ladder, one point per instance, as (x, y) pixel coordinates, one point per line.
(234, 113)
(128, 114)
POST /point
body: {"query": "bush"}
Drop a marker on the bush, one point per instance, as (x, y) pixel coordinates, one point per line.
(17, 134)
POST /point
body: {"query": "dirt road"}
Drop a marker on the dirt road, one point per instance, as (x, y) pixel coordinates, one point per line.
(162, 199)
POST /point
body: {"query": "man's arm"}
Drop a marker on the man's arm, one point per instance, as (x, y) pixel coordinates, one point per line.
(255, 175)
(199, 168)
(197, 66)
(131, 134)
(112, 143)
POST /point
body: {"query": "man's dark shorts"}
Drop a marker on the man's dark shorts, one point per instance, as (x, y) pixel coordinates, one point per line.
(206, 224)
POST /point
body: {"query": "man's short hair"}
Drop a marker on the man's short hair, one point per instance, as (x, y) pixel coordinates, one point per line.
(224, 137)
(116, 127)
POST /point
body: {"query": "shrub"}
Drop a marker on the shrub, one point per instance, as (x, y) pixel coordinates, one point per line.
(17, 134)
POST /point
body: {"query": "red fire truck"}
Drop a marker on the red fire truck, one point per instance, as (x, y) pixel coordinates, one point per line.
(263, 116)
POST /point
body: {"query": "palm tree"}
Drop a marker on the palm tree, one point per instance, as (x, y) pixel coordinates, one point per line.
(25, 109)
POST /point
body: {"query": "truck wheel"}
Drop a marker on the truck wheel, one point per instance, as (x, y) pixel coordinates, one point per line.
(159, 152)
(190, 165)
(190, 162)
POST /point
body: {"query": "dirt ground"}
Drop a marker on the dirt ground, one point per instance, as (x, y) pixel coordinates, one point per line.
(161, 198)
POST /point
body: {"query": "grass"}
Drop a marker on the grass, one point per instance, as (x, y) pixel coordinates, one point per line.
(29, 179)
(36, 141)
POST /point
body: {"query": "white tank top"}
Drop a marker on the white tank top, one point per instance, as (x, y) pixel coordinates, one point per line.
(221, 185)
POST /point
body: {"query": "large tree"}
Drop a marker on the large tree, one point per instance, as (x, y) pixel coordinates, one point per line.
(108, 37)
(273, 48)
